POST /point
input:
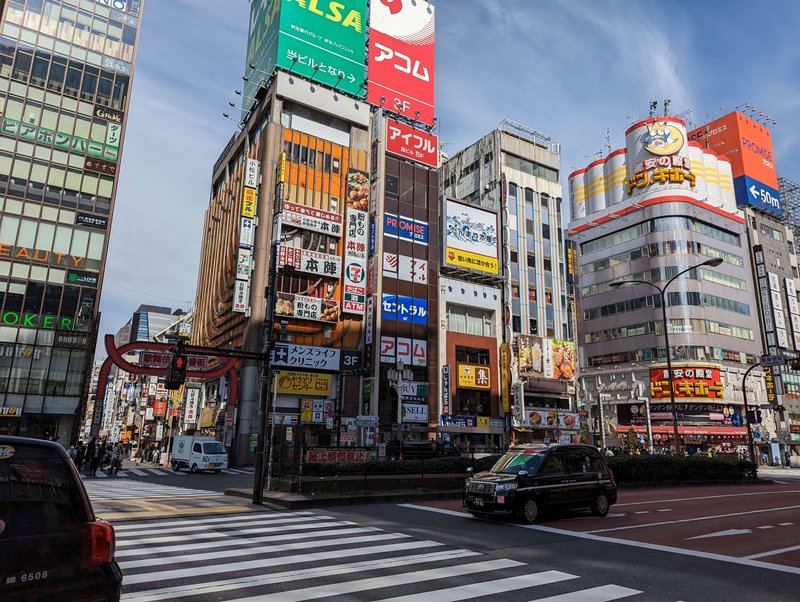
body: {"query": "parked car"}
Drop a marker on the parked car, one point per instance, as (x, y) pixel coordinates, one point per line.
(421, 450)
(53, 546)
(525, 481)
(198, 453)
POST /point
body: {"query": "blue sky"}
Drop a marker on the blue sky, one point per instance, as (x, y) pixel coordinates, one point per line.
(570, 69)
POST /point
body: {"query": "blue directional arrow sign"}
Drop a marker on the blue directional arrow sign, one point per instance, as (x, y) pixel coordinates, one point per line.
(737, 419)
(752, 192)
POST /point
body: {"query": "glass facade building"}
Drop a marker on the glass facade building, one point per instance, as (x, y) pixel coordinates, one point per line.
(65, 76)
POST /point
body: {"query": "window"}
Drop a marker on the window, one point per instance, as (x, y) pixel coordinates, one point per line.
(514, 256)
(577, 461)
(470, 320)
(531, 260)
(197, 448)
(554, 465)
(546, 231)
(512, 190)
(544, 200)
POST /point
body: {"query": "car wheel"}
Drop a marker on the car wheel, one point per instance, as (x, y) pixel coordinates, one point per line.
(600, 505)
(529, 511)
(176, 467)
(194, 468)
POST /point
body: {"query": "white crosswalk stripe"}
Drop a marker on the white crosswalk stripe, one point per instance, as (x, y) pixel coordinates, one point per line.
(159, 472)
(113, 489)
(305, 556)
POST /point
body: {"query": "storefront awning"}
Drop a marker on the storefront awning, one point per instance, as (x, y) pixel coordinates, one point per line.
(686, 430)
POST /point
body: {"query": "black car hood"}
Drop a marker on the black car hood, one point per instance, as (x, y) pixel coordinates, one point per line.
(494, 477)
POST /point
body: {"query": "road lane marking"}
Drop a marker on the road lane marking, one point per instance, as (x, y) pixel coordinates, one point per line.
(604, 593)
(303, 574)
(773, 552)
(184, 522)
(628, 542)
(335, 590)
(691, 520)
(767, 527)
(722, 533)
(704, 497)
(642, 512)
(485, 588)
(665, 510)
(784, 524)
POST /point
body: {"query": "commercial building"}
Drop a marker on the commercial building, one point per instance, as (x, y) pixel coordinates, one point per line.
(646, 213)
(507, 291)
(65, 76)
(307, 200)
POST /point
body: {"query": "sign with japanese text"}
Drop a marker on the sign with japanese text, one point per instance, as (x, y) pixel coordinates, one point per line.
(405, 228)
(310, 262)
(320, 40)
(248, 202)
(156, 359)
(410, 143)
(474, 377)
(252, 173)
(60, 140)
(471, 238)
(674, 169)
(688, 381)
(322, 455)
(405, 268)
(246, 232)
(399, 349)
(401, 58)
(547, 418)
(446, 389)
(241, 296)
(306, 308)
(505, 377)
(287, 355)
(354, 290)
(309, 218)
(303, 383)
(369, 320)
(404, 309)
(243, 263)
(159, 408)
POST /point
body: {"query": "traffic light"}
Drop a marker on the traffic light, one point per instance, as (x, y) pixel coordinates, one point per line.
(176, 371)
(754, 416)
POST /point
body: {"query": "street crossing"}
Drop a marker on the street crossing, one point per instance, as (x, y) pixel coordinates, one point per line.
(286, 556)
(138, 490)
(155, 472)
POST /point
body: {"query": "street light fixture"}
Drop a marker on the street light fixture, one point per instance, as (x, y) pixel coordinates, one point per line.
(662, 292)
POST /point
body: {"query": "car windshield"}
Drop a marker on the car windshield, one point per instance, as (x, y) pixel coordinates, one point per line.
(514, 462)
(213, 448)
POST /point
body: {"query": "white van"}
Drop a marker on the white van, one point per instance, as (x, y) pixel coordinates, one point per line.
(198, 453)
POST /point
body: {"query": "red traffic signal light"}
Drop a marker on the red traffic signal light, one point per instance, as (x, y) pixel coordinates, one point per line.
(176, 371)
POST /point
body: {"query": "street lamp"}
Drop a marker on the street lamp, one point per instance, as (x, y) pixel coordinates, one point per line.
(662, 292)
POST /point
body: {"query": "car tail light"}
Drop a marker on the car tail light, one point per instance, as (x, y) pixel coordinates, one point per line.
(99, 544)
(610, 474)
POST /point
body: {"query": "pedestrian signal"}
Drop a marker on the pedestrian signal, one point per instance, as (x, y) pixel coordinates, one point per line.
(176, 371)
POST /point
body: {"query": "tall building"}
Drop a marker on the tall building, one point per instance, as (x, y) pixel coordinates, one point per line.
(520, 297)
(645, 213)
(65, 78)
(329, 173)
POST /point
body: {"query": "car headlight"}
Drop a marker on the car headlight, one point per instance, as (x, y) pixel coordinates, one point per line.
(506, 486)
(205, 458)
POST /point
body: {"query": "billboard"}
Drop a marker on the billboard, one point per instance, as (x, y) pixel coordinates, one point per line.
(702, 382)
(471, 238)
(405, 228)
(410, 143)
(748, 145)
(401, 58)
(545, 358)
(321, 40)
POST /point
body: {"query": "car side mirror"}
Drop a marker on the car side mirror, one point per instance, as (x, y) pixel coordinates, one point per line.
(523, 473)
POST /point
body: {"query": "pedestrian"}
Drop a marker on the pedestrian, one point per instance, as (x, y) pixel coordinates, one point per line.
(156, 456)
(764, 459)
(788, 459)
(90, 454)
(94, 460)
(116, 458)
(72, 452)
(138, 455)
(80, 454)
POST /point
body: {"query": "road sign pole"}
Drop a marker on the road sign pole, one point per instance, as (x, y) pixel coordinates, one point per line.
(746, 413)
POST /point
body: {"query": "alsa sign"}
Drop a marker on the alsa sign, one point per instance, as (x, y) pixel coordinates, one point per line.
(411, 143)
(401, 58)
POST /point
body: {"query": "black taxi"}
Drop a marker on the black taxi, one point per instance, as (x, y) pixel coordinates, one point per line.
(527, 480)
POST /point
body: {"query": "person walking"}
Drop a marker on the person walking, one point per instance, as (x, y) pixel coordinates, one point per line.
(90, 453)
(80, 454)
(97, 456)
(116, 458)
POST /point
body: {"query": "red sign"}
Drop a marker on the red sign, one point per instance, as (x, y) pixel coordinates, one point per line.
(159, 408)
(688, 381)
(401, 58)
(411, 143)
(151, 358)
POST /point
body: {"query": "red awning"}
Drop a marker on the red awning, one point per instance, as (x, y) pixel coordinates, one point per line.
(687, 430)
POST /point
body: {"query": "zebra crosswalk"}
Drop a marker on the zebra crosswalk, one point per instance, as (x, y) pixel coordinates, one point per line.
(304, 555)
(139, 490)
(156, 472)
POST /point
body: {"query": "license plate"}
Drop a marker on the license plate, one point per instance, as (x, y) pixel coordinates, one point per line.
(212, 465)
(477, 502)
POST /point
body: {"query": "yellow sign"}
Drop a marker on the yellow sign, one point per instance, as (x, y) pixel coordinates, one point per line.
(282, 168)
(473, 261)
(304, 383)
(11, 412)
(663, 139)
(474, 377)
(505, 377)
(306, 410)
(249, 202)
(483, 422)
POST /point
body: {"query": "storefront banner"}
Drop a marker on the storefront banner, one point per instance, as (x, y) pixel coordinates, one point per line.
(404, 309)
(702, 382)
(252, 173)
(310, 262)
(241, 296)
(306, 308)
(309, 218)
(445, 389)
(410, 143)
(243, 263)
(303, 383)
(474, 377)
(415, 412)
(505, 377)
(530, 356)
(249, 199)
(354, 290)
(409, 351)
(405, 268)
(160, 408)
(548, 418)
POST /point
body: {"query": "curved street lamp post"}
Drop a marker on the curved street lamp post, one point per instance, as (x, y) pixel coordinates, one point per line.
(662, 292)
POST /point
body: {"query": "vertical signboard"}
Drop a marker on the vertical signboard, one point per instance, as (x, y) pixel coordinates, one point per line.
(446, 389)
(794, 311)
(772, 377)
(354, 292)
(505, 377)
(244, 261)
(401, 58)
